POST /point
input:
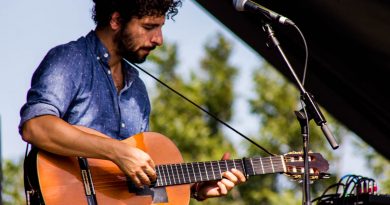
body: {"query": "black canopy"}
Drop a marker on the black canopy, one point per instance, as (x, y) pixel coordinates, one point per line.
(349, 56)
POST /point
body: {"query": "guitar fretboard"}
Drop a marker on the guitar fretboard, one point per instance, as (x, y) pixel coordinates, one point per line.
(185, 173)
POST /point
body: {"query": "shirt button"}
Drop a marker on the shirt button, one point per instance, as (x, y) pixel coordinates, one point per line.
(105, 55)
(98, 58)
(123, 125)
(109, 72)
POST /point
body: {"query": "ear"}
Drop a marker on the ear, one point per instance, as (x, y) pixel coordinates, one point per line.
(115, 22)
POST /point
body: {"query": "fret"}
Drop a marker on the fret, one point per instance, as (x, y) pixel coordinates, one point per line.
(205, 168)
(182, 173)
(234, 164)
(173, 175)
(262, 167)
(200, 172)
(227, 167)
(242, 167)
(212, 169)
(188, 173)
(164, 175)
(163, 172)
(272, 164)
(160, 176)
(168, 175)
(177, 174)
(219, 169)
(284, 165)
(158, 183)
(268, 168)
(253, 168)
(193, 172)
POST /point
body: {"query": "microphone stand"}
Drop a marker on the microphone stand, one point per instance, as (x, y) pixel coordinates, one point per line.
(310, 111)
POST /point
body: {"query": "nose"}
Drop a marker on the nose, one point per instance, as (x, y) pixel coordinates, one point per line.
(157, 38)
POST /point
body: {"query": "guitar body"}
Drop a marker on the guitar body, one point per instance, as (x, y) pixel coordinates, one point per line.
(59, 178)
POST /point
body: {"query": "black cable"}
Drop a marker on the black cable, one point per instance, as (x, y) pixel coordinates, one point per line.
(306, 54)
(199, 107)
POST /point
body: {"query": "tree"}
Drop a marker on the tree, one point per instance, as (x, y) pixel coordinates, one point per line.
(275, 101)
(13, 189)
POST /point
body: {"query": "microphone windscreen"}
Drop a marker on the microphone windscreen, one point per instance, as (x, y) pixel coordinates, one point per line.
(239, 4)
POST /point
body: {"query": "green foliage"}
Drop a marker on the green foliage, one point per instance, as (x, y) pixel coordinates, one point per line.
(13, 188)
(195, 133)
(280, 133)
(198, 136)
(218, 84)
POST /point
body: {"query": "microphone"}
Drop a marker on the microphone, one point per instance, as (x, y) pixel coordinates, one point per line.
(248, 5)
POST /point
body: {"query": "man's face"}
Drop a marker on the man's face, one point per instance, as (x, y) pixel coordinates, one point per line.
(140, 36)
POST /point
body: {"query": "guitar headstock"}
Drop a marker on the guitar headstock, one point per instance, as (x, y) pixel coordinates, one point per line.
(318, 166)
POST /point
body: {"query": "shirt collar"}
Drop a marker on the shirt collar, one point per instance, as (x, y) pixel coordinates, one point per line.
(97, 48)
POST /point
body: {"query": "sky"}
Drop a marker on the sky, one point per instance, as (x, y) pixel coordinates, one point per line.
(31, 28)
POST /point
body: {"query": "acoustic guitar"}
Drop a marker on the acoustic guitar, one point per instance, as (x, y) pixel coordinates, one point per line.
(57, 180)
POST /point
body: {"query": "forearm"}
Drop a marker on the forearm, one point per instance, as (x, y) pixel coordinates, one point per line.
(52, 134)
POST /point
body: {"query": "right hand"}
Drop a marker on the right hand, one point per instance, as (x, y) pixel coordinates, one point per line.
(136, 164)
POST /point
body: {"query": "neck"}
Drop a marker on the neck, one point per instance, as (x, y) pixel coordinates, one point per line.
(185, 173)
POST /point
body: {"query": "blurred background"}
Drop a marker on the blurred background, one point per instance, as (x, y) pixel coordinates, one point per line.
(206, 62)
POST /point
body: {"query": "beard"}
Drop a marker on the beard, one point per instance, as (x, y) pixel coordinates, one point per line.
(127, 47)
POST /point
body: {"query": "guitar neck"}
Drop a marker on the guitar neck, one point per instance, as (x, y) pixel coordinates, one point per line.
(186, 173)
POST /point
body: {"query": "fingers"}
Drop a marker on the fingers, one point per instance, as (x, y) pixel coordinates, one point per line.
(143, 177)
(138, 165)
(230, 179)
(228, 182)
(147, 174)
(223, 190)
(151, 174)
(226, 156)
(239, 175)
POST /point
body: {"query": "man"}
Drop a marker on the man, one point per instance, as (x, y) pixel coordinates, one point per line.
(87, 83)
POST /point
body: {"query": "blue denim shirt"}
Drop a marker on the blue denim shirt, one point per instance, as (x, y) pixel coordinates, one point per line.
(74, 82)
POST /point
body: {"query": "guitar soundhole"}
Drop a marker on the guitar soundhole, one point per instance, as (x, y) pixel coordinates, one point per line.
(158, 194)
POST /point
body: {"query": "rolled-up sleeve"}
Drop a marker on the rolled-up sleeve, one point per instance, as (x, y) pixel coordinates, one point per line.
(52, 86)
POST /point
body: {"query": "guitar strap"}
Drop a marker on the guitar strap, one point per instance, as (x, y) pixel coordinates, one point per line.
(31, 184)
(87, 181)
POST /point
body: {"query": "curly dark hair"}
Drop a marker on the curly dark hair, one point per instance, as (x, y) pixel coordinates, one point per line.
(128, 9)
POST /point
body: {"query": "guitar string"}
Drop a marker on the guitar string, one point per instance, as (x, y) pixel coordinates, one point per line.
(106, 183)
(277, 165)
(206, 169)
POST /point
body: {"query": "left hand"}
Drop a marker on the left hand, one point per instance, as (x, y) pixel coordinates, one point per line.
(222, 187)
